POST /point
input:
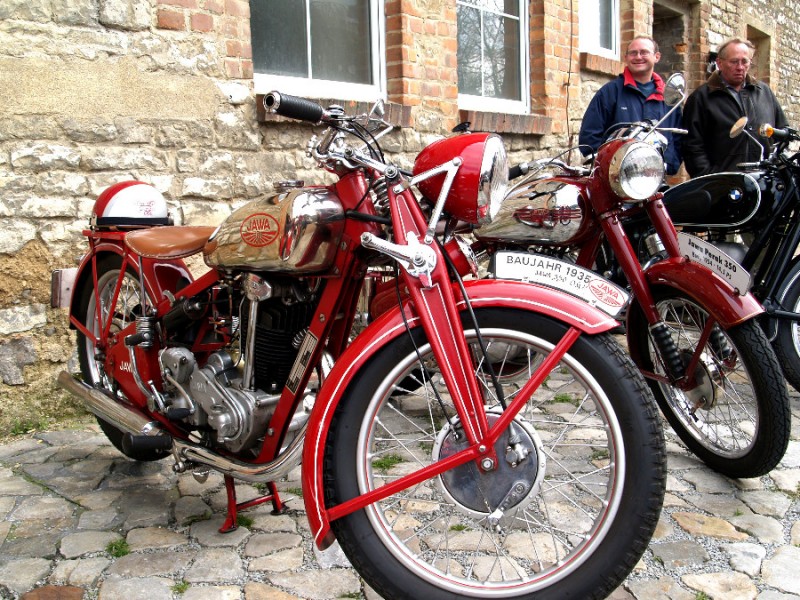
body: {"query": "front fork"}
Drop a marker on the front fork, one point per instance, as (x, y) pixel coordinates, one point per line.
(426, 276)
(679, 372)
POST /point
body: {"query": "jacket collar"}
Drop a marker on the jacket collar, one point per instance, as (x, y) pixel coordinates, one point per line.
(716, 83)
(628, 80)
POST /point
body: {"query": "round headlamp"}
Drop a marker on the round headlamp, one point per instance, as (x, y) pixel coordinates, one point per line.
(480, 185)
(636, 171)
(493, 182)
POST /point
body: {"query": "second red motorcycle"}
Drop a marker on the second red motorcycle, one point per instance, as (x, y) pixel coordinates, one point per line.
(692, 325)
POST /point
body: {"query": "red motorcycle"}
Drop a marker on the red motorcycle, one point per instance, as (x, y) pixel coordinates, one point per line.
(478, 438)
(692, 327)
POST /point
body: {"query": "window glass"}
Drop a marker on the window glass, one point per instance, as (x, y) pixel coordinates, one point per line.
(492, 55)
(322, 48)
(340, 40)
(599, 27)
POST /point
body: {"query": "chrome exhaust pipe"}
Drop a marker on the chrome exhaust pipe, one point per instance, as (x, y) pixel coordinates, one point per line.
(124, 418)
(256, 473)
(128, 420)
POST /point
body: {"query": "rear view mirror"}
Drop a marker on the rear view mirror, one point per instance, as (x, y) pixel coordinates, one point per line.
(738, 127)
(675, 89)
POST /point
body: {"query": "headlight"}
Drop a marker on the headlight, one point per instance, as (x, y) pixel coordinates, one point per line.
(636, 171)
(481, 181)
(493, 180)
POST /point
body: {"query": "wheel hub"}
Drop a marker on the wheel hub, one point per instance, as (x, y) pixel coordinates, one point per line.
(707, 377)
(514, 480)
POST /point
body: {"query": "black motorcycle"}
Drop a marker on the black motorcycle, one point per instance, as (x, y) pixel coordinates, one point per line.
(753, 216)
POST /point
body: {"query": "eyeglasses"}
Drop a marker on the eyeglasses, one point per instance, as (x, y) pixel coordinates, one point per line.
(642, 53)
(745, 62)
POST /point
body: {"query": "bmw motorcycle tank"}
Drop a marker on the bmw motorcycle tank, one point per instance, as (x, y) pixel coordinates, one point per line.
(295, 231)
(721, 200)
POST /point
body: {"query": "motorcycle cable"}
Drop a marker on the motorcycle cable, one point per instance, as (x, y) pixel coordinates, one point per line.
(426, 372)
(361, 132)
(484, 351)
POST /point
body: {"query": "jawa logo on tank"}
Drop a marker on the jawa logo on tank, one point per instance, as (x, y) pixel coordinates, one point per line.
(259, 230)
(548, 217)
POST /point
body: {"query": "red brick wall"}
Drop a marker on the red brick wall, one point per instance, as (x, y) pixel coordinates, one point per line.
(229, 20)
(421, 55)
(554, 53)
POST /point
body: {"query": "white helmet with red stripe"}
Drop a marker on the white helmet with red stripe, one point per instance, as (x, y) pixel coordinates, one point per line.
(130, 204)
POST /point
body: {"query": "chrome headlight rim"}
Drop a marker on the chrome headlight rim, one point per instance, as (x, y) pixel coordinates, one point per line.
(493, 179)
(636, 171)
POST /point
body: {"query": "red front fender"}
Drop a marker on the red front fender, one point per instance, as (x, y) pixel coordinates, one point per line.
(712, 292)
(708, 288)
(482, 293)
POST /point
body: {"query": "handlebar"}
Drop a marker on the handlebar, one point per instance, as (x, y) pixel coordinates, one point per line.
(518, 170)
(537, 165)
(295, 107)
(675, 130)
(786, 134)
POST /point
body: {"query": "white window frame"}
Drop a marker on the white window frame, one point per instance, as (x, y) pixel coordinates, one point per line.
(589, 27)
(309, 87)
(500, 105)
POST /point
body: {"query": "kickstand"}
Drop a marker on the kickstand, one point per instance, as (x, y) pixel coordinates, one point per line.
(230, 524)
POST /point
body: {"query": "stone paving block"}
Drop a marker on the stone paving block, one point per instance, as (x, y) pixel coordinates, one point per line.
(730, 586)
(781, 571)
(21, 575)
(716, 529)
(675, 555)
(140, 588)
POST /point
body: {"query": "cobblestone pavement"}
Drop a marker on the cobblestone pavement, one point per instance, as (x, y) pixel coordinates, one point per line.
(68, 497)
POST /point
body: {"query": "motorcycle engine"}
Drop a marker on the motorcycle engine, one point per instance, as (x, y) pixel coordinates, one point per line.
(215, 396)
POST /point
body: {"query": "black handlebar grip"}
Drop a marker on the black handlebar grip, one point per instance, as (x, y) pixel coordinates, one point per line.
(293, 107)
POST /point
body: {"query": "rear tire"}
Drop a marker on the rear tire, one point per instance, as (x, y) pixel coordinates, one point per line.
(127, 308)
(596, 471)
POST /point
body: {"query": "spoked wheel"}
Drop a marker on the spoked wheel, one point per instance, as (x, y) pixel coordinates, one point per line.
(736, 419)
(787, 340)
(568, 510)
(121, 313)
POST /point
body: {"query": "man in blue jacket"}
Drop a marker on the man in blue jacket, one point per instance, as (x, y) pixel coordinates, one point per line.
(636, 95)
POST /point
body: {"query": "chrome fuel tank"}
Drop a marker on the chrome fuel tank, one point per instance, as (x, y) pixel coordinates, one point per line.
(542, 212)
(286, 232)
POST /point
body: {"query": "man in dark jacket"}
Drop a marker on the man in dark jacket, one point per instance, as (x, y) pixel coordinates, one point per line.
(636, 95)
(711, 110)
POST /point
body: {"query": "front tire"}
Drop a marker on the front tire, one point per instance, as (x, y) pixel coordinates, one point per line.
(127, 307)
(737, 421)
(592, 485)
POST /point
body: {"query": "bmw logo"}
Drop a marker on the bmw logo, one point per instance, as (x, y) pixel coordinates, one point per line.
(735, 194)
